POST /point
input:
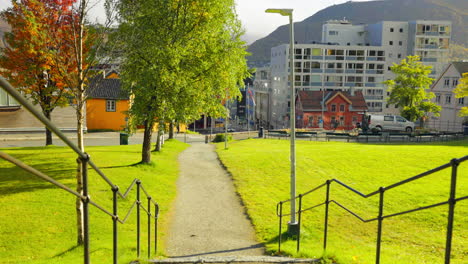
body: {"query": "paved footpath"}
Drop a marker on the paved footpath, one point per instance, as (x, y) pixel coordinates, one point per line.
(208, 219)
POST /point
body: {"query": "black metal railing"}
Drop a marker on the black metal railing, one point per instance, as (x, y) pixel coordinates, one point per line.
(85, 161)
(452, 200)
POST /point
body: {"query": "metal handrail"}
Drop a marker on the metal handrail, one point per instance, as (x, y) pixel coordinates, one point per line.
(85, 198)
(454, 163)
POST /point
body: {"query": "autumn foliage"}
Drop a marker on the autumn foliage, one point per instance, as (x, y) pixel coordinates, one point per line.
(39, 57)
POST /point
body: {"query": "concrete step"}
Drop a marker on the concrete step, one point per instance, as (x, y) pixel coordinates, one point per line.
(233, 260)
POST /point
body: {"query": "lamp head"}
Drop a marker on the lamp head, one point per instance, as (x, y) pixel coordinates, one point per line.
(281, 11)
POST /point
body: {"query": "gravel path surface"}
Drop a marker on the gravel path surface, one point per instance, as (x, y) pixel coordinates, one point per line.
(208, 219)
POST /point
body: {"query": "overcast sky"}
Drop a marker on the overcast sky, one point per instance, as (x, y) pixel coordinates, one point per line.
(256, 22)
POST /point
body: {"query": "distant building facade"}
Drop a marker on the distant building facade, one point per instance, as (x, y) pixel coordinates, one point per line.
(443, 87)
(107, 105)
(330, 109)
(324, 67)
(353, 56)
(263, 96)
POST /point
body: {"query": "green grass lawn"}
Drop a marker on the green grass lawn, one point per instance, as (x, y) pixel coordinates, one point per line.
(37, 220)
(261, 171)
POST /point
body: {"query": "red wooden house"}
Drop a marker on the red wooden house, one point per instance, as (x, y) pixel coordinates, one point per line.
(345, 108)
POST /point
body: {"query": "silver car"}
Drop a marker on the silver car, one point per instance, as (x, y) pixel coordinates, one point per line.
(390, 122)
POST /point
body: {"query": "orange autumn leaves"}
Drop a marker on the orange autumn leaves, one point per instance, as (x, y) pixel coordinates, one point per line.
(39, 57)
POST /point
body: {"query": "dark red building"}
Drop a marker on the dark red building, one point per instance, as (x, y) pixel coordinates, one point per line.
(342, 107)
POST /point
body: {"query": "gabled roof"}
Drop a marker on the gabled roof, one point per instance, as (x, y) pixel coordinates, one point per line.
(461, 66)
(107, 88)
(338, 94)
(312, 100)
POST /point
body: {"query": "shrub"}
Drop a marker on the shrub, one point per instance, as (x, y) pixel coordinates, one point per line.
(220, 138)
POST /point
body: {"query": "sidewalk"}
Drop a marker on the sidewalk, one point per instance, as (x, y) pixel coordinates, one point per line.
(41, 135)
(91, 139)
(208, 218)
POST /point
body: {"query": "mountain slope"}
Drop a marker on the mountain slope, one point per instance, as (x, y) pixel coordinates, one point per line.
(310, 29)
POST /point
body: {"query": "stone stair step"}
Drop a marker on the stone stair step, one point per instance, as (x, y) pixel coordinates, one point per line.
(233, 260)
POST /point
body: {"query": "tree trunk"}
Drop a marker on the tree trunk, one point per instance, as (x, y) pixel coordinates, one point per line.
(48, 132)
(146, 148)
(158, 142)
(79, 173)
(171, 130)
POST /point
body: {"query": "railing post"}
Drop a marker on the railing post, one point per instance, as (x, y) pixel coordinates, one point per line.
(325, 229)
(138, 217)
(280, 220)
(379, 227)
(299, 223)
(84, 175)
(114, 219)
(156, 216)
(453, 188)
(149, 227)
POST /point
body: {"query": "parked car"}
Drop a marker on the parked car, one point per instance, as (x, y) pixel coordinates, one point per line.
(390, 122)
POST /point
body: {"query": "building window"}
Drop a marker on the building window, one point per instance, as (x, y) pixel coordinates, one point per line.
(342, 107)
(400, 43)
(333, 107)
(341, 120)
(454, 83)
(6, 100)
(448, 99)
(401, 30)
(332, 32)
(391, 29)
(437, 98)
(446, 82)
(110, 105)
(311, 121)
(390, 43)
(399, 55)
(461, 101)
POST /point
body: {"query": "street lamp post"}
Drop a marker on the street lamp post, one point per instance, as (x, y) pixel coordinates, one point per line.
(292, 225)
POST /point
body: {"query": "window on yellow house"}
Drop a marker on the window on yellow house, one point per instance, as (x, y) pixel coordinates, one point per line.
(110, 105)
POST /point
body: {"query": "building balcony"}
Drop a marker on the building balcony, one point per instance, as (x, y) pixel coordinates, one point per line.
(339, 84)
(429, 59)
(374, 109)
(373, 97)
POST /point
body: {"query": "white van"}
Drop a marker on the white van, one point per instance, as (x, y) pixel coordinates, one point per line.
(390, 122)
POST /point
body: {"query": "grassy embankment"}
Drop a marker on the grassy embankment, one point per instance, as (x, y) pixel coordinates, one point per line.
(37, 220)
(260, 169)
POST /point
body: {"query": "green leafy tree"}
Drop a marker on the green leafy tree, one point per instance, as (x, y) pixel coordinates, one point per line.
(182, 58)
(462, 91)
(408, 89)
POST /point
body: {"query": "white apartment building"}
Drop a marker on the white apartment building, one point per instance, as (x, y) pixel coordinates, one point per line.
(429, 39)
(358, 56)
(327, 67)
